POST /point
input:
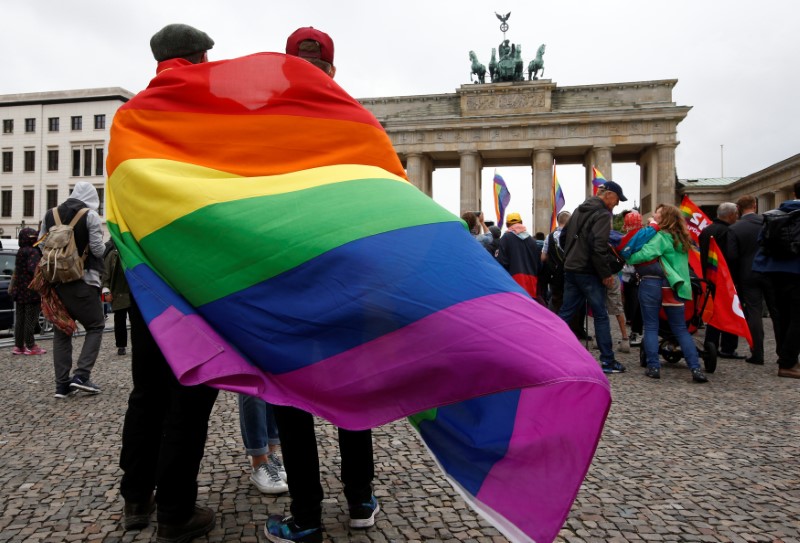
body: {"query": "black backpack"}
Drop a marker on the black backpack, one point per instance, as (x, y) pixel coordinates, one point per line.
(780, 235)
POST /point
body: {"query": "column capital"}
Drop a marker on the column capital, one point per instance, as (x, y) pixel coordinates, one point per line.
(539, 150)
(667, 144)
(468, 152)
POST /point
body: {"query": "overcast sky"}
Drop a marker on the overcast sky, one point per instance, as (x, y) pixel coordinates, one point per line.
(735, 61)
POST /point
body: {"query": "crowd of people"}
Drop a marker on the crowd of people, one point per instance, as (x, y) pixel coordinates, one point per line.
(575, 269)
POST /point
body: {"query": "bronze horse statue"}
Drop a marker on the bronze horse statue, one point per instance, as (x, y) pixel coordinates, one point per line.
(478, 69)
(536, 64)
(493, 65)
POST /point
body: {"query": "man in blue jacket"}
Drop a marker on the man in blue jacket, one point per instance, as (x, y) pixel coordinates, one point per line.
(784, 275)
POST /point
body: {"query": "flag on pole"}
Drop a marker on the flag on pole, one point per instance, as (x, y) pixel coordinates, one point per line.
(728, 315)
(501, 198)
(696, 220)
(556, 199)
(597, 180)
(354, 322)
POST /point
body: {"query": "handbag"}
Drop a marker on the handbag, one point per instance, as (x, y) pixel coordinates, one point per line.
(614, 260)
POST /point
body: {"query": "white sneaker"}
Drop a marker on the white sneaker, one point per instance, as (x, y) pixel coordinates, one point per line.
(267, 480)
(636, 339)
(273, 459)
(624, 345)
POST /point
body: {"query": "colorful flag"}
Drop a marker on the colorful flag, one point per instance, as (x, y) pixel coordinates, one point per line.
(501, 198)
(276, 249)
(727, 315)
(556, 199)
(696, 220)
(597, 180)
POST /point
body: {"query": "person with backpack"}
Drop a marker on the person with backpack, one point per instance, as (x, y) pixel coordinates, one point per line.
(781, 263)
(77, 285)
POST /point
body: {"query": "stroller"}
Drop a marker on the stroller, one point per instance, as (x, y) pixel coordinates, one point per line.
(668, 346)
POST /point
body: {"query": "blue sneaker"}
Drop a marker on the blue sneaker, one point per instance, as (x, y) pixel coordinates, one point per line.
(363, 514)
(613, 367)
(84, 384)
(284, 530)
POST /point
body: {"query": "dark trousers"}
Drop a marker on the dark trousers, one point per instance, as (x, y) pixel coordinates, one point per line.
(301, 460)
(83, 304)
(121, 327)
(787, 319)
(753, 291)
(25, 324)
(164, 434)
(633, 313)
(728, 341)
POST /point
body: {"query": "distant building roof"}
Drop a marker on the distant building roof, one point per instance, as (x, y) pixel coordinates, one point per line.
(66, 96)
(708, 181)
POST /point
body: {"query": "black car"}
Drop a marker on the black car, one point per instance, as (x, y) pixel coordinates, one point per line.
(8, 258)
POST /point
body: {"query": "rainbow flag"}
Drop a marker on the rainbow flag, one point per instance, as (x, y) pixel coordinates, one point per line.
(727, 314)
(276, 249)
(556, 199)
(501, 198)
(597, 180)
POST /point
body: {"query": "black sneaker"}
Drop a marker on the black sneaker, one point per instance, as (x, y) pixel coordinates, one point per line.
(284, 530)
(122, 351)
(64, 391)
(363, 515)
(200, 523)
(698, 376)
(653, 371)
(613, 367)
(84, 384)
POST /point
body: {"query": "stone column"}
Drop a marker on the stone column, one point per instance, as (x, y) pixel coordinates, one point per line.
(665, 174)
(542, 185)
(600, 158)
(470, 180)
(419, 168)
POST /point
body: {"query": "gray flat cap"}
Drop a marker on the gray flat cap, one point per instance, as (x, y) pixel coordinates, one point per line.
(178, 40)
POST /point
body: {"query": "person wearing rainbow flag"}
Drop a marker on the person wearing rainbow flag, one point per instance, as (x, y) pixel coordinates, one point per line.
(166, 424)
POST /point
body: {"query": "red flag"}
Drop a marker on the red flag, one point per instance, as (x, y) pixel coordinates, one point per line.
(727, 315)
(696, 220)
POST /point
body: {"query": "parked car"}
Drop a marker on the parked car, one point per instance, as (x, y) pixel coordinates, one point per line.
(8, 259)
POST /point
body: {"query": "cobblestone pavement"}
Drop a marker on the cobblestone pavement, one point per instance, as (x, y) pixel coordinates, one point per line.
(678, 462)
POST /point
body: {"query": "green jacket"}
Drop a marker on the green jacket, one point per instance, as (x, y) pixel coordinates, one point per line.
(674, 261)
(114, 280)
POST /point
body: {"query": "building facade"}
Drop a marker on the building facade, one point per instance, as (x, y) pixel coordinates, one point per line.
(49, 142)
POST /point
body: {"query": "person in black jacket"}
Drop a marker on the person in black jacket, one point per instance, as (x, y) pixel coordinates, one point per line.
(753, 287)
(727, 214)
(520, 255)
(587, 273)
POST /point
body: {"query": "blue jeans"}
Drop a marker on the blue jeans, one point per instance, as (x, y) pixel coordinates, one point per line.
(580, 288)
(650, 304)
(257, 421)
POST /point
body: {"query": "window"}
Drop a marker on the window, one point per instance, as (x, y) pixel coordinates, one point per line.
(87, 162)
(8, 161)
(52, 160)
(27, 203)
(99, 122)
(30, 125)
(76, 162)
(52, 124)
(30, 160)
(52, 198)
(101, 193)
(5, 203)
(98, 161)
(77, 123)
(8, 126)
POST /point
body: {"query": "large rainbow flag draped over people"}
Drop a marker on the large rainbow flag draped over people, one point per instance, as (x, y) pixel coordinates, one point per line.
(275, 248)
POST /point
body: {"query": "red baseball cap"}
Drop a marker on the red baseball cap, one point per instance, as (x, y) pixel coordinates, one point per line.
(310, 33)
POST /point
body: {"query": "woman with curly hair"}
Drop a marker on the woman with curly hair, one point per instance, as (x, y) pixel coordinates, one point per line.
(27, 300)
(663, 264)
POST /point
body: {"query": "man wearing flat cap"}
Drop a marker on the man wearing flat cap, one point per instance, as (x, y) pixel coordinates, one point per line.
(587, 273)
(166, 424)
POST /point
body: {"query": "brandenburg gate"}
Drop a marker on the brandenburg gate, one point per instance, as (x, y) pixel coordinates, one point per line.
(533, 123)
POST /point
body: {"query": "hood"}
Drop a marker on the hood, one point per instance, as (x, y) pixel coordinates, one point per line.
(592, 204)
(86, 193)
(27, 237)
(790, 205)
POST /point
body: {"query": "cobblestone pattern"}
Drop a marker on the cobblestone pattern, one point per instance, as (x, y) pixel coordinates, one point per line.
(678, 462)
